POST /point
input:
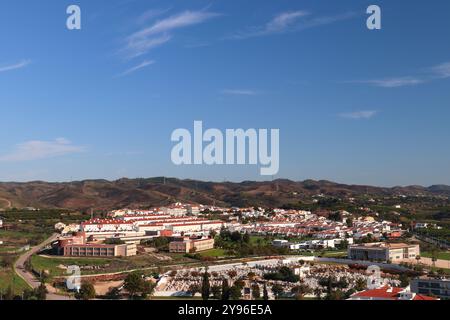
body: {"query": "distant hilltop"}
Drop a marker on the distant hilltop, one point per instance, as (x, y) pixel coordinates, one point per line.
(103, 194)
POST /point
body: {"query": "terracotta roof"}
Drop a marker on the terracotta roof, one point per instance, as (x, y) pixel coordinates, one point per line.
(388, 293)
(383, 292)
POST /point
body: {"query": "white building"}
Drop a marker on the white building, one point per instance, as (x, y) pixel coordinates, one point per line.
(107, 225)
(280, 243)
(193, 209)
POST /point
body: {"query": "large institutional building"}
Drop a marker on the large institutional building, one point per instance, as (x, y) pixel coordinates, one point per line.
(431, 286)
(76, 246)
(189, 245)
(380, 251)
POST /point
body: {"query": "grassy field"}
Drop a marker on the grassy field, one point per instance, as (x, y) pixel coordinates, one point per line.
(254, 240)
(55, 266)
(22, 227)
(9, 278)
(213, 253)
(443, 255)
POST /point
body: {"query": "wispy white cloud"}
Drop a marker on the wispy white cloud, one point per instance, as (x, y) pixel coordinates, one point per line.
(364, 114)
(19, 65)
(136, 68)
(37, 149)
(279, 24)
(441, 71)
(394, 82)
(160, 32)
(241, 92)
(284, 20)
(289, 21)
(150, 14)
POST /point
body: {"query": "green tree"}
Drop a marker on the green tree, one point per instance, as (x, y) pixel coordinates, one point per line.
(300, 291)
(87, 292)
(133, 283)
(256, 292)
(225, 290)
(235, 292)
(434, 257)
(336, 295)
(265, 293)
(216, 292)
(147, 289)
(246, 238)
(418, 259)
(41, 292)
(205, 285)
(277, 290)
(404, 280)
(113, 293)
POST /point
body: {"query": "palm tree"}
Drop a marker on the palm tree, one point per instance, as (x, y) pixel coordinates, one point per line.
(434, 255)
(417, 259)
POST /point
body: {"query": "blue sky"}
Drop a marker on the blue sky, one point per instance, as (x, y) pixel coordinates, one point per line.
(352, 105)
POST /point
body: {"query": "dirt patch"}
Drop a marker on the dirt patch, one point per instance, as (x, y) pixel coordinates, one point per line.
(101, 288)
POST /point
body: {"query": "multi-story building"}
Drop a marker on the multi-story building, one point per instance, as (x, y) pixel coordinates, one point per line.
(107, 225)
(193, 209)
(189, 245)
(431, 286)
(99, 250)
(381, 251)
(176, 209)
(76, 246)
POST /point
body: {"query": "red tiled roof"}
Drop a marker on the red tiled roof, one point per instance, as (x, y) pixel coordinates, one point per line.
(388, 293)
(422, 297)
(384, 292)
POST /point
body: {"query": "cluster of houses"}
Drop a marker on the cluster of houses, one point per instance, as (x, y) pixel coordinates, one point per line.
(185, 222)
(180, 223)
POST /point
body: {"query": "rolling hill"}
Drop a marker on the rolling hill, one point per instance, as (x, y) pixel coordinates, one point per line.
(103, 194)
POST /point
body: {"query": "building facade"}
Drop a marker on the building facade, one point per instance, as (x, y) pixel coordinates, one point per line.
(380, 251)
(99, 250)
(189, 245)
(430, 286)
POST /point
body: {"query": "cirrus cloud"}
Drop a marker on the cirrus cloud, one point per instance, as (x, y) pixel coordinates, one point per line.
(140, 66)
(38, 149)
(240, 92)
(363, 114)
(18, 65)
(438, 72)
(160, 32)
(289, 21)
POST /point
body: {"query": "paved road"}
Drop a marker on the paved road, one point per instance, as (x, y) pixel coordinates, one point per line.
(30, 279)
